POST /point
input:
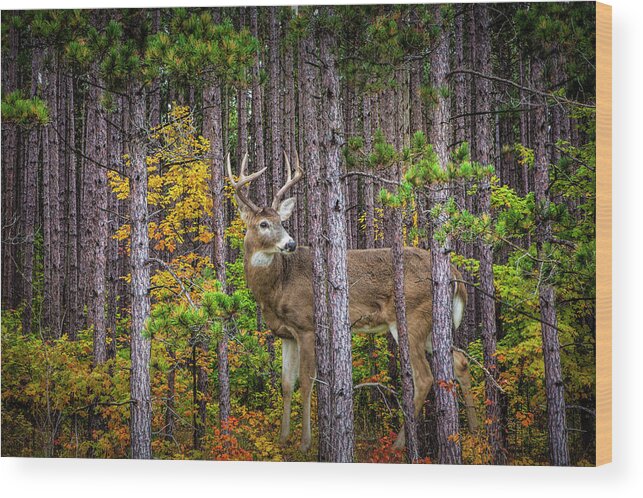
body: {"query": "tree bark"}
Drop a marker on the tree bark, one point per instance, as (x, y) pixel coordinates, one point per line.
(170, 418)
(73, 316)
(213, 131)
(10, 178)
(141, 402)
(52, 229)
(257, 115)
(242, 123)
(483, 155)
(554, 386)
(316, 188)
(29, 199)
(369, 190)
(96, 211)
(408, 408)
(288, 123)
(274, 102)
(259, 185)
(342, 440)
(114, 141)
(449, 450)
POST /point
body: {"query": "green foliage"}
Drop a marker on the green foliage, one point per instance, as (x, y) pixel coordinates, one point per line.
(48, 386)
(195, 48)
(567, 29)
(24, 111)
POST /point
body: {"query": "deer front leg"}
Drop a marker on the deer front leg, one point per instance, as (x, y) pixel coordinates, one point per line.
(422, 381)
(289, 374)
(307, 368)
(463, 376)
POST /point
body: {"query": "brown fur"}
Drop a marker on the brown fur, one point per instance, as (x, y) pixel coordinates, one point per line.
(284, 291)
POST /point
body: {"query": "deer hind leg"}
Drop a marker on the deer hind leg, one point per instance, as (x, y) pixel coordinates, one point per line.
(289, 375)
(307, 374)
(422, 377)
(463, 376)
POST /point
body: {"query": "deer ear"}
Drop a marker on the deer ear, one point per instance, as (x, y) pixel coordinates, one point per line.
(285, 208)
(244, 211)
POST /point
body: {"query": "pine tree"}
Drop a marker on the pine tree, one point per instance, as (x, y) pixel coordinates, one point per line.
(449, 450)
(555, 387)
(483, 154)
(342, 439)
(316, 190)
(10, 171)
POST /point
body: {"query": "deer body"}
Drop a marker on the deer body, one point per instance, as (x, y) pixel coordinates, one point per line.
(280, 277)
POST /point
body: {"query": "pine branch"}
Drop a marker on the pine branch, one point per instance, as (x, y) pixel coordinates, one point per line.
(542, 93)
(81, 154)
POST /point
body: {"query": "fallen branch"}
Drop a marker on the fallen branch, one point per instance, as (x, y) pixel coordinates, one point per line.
(515, 308)
(375, 384)
(579, 407)
(542, 93)
(379, 388)
(175, 276)
(487, 373)
(369, 175)
(106, 403)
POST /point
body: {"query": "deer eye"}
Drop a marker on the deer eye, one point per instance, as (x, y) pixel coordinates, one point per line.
(263, 224)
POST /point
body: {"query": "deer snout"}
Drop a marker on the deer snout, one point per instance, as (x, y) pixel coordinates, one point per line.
(286, 244)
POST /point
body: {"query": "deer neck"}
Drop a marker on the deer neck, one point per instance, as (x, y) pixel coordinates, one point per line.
(264, 274)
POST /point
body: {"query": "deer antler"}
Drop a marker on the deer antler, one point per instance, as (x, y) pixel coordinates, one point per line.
(243, 180)
(290, 182)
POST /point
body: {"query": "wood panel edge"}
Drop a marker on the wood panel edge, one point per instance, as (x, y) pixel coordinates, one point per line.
(603, 234)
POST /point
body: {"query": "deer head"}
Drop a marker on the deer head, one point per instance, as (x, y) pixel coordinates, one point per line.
(265, 235)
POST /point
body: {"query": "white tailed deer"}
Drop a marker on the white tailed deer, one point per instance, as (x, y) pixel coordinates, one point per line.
(280, 276)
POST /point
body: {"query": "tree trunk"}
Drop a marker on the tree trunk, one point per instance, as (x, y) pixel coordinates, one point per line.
(52, 230)
(154, 108)
(10, 180)
(554, 386)
(170, 418)
(524, 124)
(483, 155)
(288, 123)
(29, 199)
(73, 316)
(410, 423)
(115, 152)
(257, 115)
(462, 126)
(213, 129)
(141, 402)
(274, 103)
(449, 450)
(258, 138)
(96, 204)
(242, 123)
(415, 80)
(342, 440)
(369, 190)
(312, 160)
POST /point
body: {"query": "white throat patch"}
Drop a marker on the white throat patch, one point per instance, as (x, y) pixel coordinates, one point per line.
(261, 259)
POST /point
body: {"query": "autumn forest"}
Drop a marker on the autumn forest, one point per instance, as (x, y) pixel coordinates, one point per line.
(335, 233)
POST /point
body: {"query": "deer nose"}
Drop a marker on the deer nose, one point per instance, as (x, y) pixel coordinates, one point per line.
(291, 245)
